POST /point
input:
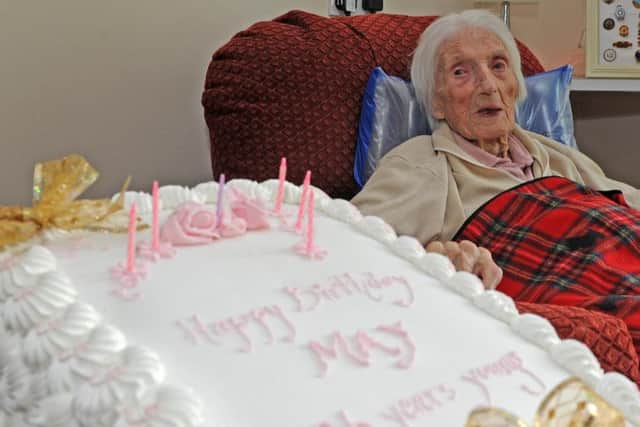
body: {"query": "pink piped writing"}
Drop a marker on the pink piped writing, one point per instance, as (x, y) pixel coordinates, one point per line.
(506, 366)
(384, 289)
(360, 350)
(271, 320)
(331, 351)
(344, 421)
(258, 315)
(188, 335)
(275, 311)
(430, 402)
(125, 294)
(419, 405)
(398, 330)
(349, 423)
(201, 329)
(239, 324)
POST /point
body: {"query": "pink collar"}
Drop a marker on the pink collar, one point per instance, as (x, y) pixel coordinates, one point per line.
(519, 161)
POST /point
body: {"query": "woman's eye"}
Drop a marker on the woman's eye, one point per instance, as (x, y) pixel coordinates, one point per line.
(499, 65)
(458, 72)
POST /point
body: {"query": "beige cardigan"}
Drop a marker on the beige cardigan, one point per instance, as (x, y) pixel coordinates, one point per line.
(427, 186)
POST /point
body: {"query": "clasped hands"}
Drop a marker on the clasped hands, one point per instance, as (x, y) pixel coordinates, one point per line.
(467, 256)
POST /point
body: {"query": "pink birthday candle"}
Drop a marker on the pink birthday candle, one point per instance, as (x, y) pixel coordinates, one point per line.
(131, 247)
(155, 230)
(303, 199)
(310, 224)
(220, 200)
(281, 177)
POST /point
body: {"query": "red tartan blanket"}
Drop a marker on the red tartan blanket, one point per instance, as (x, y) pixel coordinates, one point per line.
(561, 243)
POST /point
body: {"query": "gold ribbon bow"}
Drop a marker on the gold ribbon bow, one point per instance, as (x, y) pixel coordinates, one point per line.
(570, 404)
(56, 184)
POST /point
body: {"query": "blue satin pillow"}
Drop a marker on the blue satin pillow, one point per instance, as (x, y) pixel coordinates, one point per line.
(547, 108)
(390, 114)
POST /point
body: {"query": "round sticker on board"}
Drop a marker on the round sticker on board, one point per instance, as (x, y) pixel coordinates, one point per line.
(636, 4)
(608, 24)
(609, 55)
(624, 30)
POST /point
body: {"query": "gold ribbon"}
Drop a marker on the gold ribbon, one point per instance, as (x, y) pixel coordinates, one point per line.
(570, 404)
(56, 185)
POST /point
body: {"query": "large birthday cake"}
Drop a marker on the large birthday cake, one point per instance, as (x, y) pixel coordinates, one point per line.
(253, 324)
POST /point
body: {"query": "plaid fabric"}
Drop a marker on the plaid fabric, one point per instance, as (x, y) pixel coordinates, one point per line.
(561, 243)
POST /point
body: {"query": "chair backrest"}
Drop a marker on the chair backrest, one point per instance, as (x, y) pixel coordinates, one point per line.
(292, 87)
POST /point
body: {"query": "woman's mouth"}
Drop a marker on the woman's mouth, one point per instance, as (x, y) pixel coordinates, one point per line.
(489, 112)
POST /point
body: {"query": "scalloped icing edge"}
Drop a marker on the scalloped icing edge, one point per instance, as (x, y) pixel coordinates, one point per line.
(615, 388)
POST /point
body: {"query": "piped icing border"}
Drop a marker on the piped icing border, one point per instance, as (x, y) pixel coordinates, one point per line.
(60, 365)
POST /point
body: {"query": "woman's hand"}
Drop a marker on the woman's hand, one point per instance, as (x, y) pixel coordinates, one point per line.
(467, 256)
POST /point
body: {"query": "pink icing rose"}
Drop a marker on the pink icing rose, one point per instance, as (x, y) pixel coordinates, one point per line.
(232, 225)
(191, 223)
(252, 211)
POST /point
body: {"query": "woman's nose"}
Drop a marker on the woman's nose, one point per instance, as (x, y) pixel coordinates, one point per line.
(487, 80)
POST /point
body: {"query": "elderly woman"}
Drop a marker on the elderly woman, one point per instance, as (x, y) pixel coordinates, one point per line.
(466, 73)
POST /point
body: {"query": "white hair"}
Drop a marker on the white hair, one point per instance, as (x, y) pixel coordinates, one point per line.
(424, 65)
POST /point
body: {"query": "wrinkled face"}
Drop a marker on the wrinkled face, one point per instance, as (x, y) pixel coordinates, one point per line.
(475, 86)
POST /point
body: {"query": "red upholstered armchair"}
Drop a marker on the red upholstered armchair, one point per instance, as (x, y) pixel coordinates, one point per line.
(293, 86)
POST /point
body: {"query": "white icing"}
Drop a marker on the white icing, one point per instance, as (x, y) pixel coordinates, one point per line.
(622, 394)
(37, 261)
(142, 201)
(57, 336)
(52, 411)
(53, 234)
(266, 191)
(576, 358)
(376, 228)
(83, 374)
(343, 211)
(76, 367)
(27, 308)
(291, 195)
(17, 275)
(163, 406)
(60, 378)
(248, 187)
(207, 192)
(9, 344)
(408, 248)
(497, 304)
(466, 284)
(172, 196)
(322, 200)
(134, 371)
(436, 265)
(535, 329)
(15, 386)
